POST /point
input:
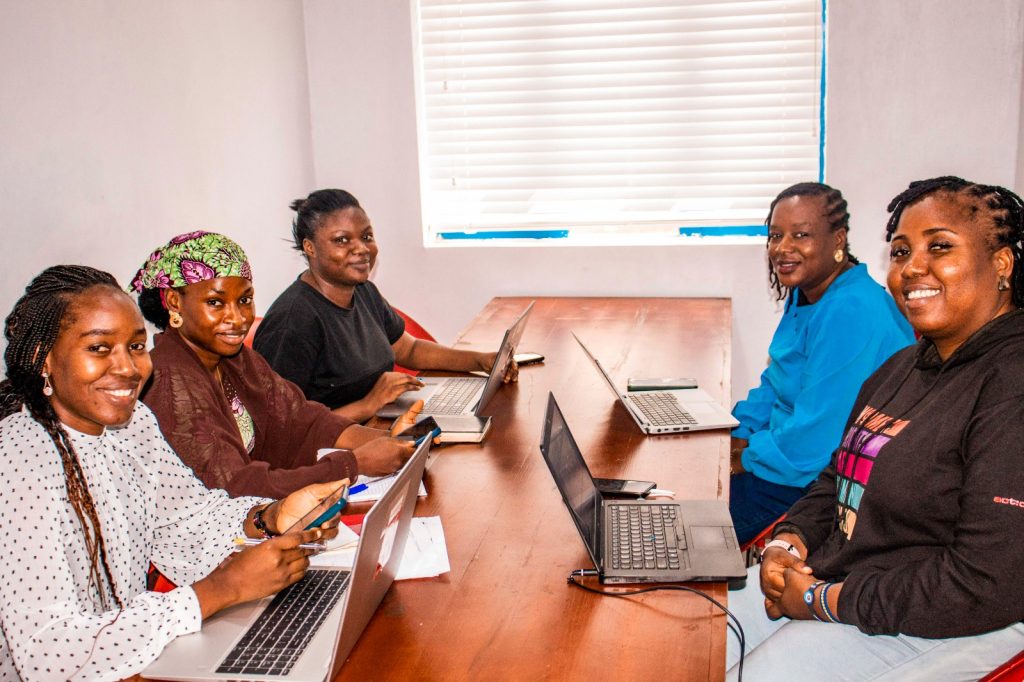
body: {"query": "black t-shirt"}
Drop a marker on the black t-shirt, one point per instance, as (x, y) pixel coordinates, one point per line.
(334, 354)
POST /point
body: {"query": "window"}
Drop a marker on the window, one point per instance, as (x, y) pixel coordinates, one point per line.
(633, 119)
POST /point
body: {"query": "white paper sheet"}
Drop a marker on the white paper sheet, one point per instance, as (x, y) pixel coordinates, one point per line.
(425, 555)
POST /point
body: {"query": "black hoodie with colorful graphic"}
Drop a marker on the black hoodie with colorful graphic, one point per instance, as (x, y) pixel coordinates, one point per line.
(921, 512)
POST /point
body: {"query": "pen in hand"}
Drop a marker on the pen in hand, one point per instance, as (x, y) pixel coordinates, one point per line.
(242, 543)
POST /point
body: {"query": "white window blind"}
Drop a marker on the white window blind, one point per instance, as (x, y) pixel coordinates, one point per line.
(614, 115)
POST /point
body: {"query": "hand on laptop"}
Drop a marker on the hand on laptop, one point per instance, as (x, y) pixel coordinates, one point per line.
(389, 386)
(256, 572)
(511, 371)
(383, 456)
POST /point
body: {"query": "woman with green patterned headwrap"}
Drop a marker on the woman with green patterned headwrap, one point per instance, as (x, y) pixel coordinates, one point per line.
(230, 417)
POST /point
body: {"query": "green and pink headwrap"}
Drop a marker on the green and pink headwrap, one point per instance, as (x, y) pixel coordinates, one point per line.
(190, 258)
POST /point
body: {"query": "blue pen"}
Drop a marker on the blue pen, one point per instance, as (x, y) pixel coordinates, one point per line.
(357, 489)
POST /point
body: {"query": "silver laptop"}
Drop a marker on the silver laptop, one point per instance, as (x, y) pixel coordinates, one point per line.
(640, 541)
(462, 395)
(682, 409)
(333, 606)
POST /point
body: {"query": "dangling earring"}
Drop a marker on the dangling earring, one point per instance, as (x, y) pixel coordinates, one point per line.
(175, 319)
(47, 386)
(1004, 284)
(838, 255)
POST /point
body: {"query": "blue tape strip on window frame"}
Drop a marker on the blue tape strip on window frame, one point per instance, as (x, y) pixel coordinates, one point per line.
(725, 231)
(821, 103)
(506, 234)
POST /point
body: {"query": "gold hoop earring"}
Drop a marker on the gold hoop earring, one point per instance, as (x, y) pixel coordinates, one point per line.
(1004, 284)
(47, 386)
(838, 255)
(175, 319)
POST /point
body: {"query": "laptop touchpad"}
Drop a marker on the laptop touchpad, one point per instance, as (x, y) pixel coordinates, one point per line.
(707, 537)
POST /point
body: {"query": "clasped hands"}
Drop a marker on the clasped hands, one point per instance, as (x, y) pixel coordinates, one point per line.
(784, 579)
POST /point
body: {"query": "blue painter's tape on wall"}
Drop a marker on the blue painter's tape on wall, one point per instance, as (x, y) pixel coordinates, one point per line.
(506, 234)
(725, 231)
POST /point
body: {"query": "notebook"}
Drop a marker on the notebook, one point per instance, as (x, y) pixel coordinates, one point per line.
(462, 395)
(683, 409)
(335, 603)
(640, 541)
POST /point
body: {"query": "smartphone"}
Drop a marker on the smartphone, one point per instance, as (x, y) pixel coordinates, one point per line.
(619, 487)
(420, 431)
(660, 384)
(527, 358)
(327, 509)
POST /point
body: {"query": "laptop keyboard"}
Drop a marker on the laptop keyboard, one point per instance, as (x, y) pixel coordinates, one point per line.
(453, 396)
(273, 644)
(661, 409)
(644, 536)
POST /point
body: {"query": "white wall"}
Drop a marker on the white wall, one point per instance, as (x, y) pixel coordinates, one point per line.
(918, 89)
(915, 89)
(123, 124)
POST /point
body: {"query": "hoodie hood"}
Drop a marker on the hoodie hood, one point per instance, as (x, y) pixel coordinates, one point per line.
(996, 332)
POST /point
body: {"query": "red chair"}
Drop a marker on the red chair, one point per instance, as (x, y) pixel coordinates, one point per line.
(415, 329)
(752, 549)
(1011, 671)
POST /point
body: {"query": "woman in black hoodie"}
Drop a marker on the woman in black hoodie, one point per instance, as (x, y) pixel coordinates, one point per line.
(914, 530)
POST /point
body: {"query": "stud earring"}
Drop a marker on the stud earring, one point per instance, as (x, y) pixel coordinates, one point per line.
(838, 255)
(175, 319)
(47, 386)
(1004, 284)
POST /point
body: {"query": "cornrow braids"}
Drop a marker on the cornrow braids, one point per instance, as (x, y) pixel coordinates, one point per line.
(835, 212)
(31, 330)
(1002, 207)
(312, 210)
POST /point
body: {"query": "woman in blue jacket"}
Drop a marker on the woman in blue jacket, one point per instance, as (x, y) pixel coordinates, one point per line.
(838, 327)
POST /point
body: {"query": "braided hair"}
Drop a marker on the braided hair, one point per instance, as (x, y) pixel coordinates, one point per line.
(31, 330)
(313, 209)
(835, 211)
(1002, 209)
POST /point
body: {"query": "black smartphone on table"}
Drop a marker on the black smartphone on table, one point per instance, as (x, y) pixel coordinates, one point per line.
(623, 487)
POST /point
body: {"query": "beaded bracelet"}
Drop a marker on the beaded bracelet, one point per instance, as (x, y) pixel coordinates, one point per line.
(809, 600)
(824, 604)
(261, 525)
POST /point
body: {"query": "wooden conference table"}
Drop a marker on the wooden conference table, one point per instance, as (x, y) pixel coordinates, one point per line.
(505, 610)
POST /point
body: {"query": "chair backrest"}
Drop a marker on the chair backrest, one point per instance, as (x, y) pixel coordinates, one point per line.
(415, 329)
(1011, 671)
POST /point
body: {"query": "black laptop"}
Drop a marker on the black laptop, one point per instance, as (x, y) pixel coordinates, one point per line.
(640, 541)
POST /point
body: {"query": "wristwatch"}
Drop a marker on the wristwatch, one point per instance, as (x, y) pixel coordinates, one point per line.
(788, 546)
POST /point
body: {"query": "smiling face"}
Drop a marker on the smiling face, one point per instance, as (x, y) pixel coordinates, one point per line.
(216, 315)
(99, 363)
(343, 250)
(802, 246)
(944, 274)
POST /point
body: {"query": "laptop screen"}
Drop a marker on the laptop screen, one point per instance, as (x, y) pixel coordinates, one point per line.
(572, 477)
(505, 352)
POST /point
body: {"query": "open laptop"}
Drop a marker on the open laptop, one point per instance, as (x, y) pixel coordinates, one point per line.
(640, 541)
(462, 395)
(681, 409)
(335, 603)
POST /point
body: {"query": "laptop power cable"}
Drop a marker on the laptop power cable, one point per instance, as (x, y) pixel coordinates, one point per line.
(737, 629)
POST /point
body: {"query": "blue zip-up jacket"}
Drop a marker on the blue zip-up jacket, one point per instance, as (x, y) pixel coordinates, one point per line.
(820, 355)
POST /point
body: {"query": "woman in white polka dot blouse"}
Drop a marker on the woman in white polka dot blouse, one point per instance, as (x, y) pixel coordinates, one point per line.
(91, 493)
